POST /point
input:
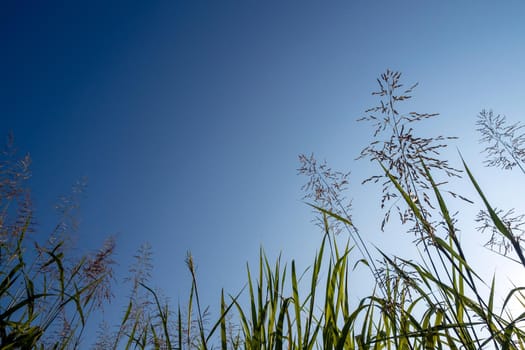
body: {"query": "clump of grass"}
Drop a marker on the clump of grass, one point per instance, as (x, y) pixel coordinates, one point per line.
(439, 301)
(46, 298)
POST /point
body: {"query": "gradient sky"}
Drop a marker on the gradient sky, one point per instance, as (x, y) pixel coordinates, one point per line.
(187, 117)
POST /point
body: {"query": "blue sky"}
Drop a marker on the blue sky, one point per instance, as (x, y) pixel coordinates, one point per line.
(187, 116)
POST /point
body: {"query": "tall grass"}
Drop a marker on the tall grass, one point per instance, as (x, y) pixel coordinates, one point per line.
(46, 297)
(439, 301)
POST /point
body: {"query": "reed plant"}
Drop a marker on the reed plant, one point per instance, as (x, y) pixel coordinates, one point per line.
(46, 294)
(438, 301)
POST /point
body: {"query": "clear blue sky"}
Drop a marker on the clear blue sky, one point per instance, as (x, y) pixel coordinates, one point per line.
(187, 116)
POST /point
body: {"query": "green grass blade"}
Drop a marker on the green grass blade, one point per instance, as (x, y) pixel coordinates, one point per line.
(495, 218)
